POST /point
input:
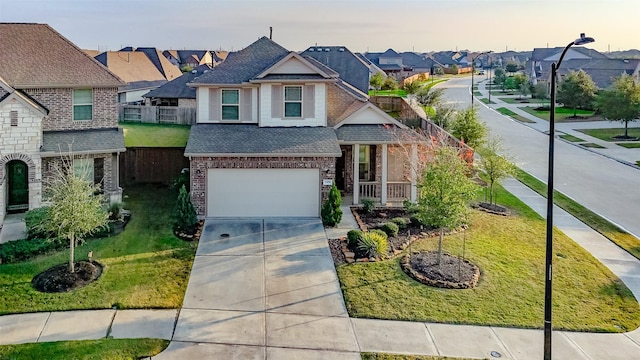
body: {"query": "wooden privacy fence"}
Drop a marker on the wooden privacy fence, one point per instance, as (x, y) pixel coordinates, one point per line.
(151, 165)
(157, 114)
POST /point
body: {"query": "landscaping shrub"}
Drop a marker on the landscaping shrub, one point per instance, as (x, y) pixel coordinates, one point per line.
(380, 232)
(185, 213)
(390, 228)
(415, 221)
(373, 244)
(331, 213)
(401, 222)
(368, 205)
(410, 206)
(34, 220)
(21, 250)
(353, 236)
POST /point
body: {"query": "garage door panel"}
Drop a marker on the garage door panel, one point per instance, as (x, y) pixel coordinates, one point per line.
(263, 192)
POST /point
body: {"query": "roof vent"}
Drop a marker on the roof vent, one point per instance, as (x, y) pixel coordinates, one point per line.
(194, 71)
(341, 49)
(311, 49)
(327, 49)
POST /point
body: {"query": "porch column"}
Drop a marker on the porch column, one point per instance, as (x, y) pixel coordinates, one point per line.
(356, 174)
(414, 173)
(383, 195)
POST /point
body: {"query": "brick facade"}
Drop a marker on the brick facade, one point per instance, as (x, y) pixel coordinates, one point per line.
(200, 165)
(59, 102)
(338, 101)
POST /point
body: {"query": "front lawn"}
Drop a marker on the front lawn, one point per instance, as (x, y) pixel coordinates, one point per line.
(112, 349)
(154, 135)
(562, 113)
(608, 134)
(145, 266)
(397, 92)
(510, 253)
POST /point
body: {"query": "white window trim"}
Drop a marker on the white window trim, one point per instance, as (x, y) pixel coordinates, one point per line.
(222, 104)
(284, 102)
(73, 104)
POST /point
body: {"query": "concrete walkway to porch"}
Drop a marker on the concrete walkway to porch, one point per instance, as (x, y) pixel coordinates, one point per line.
(13, 228)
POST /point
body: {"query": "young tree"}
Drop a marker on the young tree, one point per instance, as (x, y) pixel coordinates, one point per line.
(621, 102)
(429, 96)
(411, 87)
(376, 81)
(76, 211)
(454, 68)
(499, 77)
(540, 92)
(444, 115)
(331, 213)
(390, 83)
(185, 213)
(467, 127)
(444, 192)
(511, 67)
(495, 166)
(577, 90)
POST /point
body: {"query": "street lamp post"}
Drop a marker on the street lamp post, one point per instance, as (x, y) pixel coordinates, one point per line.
(473, 70)
(549, 239)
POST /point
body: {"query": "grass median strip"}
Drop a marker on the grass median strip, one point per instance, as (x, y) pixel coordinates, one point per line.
(609, 133)
(620, 237)
(510, 253)
(571, 138)
(510, 113)
(145, 266)
(635, 145)
(112, 349)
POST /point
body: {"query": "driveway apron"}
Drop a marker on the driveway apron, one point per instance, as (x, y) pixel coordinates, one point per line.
(263, 286)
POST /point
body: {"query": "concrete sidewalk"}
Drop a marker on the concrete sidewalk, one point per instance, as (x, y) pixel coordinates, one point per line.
(272, 293)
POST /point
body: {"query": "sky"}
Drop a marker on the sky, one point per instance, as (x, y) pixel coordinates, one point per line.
(360, 25)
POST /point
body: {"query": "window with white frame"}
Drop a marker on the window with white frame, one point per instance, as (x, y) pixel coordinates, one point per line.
(83, 168)
(82, 104)
(230, 104)
(293, 101)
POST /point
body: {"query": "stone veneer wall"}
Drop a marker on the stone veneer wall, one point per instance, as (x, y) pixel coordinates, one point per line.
(59, 102)
(200, 165)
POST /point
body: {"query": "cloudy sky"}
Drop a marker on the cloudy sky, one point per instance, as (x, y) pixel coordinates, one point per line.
(361, 25)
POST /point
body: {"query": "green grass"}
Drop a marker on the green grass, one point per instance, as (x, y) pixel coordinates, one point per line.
(105, 349)
(571, 138)
(620, 237)
(486, 101)
(505, 111)
(629, 145)
(593, 146)
(432, 83)
(379, 356)
(145, 266)
(608, 134)
(511, 100)
(477, 93)
(154, 135)
(397, 92)
(510, 253)
(561, 113)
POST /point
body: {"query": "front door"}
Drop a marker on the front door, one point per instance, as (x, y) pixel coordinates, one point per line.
(18, 198)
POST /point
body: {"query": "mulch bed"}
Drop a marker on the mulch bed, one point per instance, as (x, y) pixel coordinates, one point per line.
(59, 279)
(191, 233)
(452, 273)
(335, 245)
(492, 208)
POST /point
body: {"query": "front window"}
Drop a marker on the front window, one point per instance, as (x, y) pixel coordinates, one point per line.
(365, 163)
(83, 168)
(230, 104)
(293, 101)
(82, 104)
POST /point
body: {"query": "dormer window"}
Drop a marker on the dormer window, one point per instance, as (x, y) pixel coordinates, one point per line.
(230, 104)
(293, 101)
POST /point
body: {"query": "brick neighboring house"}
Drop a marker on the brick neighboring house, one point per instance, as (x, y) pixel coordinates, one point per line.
(275, 129)
(48, 106)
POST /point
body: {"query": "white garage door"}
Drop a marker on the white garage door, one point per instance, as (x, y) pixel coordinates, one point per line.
(263, 192)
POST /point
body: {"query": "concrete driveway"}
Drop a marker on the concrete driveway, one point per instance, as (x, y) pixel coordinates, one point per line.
(263, 288)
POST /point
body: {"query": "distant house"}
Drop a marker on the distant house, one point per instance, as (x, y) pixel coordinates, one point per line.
(176, 92)
(450, 58)
(143, 69)
(350, 67)
(194, 58)
(403, 65)
(602, 69)
(67, 102)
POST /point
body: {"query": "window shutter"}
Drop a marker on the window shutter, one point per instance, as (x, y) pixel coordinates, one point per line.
(309, 102)
(277, 102)
(98, 171)
(245, 105)
(214, 104)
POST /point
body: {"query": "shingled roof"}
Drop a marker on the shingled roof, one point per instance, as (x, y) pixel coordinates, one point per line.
(83, 141)
(244, 65)
(36, 56)
(349, 67)
(177, 88)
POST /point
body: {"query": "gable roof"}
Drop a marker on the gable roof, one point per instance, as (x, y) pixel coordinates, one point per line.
(369, 114)
(349, 66)
(164, 66)
(309, 67)
(35, 56)
(130, 66)
(390, 53)
(244, 65)
(24, 98)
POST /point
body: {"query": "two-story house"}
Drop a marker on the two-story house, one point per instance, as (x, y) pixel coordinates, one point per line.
(276, 129)
(59, 101)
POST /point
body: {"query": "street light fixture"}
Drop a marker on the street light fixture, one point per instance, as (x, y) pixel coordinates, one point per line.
(473, 70)
(549, 240)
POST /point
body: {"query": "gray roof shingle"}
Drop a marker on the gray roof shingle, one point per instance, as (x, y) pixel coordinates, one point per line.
(349, 67)
(177, 88)
(370, 134)
(83, 141)
(252, 140)
(245, 64)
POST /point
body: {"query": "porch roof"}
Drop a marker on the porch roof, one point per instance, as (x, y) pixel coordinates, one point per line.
(251, 140)
(92, 141)
(377, 134)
